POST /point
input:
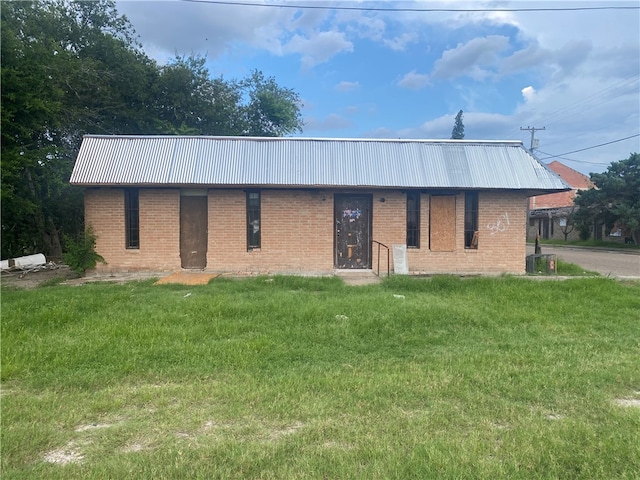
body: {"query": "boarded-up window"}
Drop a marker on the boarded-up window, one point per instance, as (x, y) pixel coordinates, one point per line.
(442, 234)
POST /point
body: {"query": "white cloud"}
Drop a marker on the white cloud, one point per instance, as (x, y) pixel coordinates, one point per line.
(475, 58)
(170, 27)
(399, 43)
(330, 122)
(345, 86)
(381, 132)
(363, 25)
(477, 126)
(530, 57)
(572, 54)
(308, 20)
(528, 93)
(414, 80)
(616, 61)
(318, 48)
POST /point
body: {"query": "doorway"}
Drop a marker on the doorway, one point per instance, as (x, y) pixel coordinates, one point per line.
(193, 230)
(352, 231)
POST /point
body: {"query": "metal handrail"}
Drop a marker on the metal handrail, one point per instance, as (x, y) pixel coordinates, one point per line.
(388, 266)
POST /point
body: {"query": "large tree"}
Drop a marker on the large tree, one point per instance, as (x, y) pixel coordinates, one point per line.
(189, 101)
(72, 68)
(615, 200)
(68, 68)
(458, 128)
(272, 110)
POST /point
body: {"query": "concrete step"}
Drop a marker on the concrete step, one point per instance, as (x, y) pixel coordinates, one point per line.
(358, 276)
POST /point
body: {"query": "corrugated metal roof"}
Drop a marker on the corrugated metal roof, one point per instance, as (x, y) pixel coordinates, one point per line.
(309, 162)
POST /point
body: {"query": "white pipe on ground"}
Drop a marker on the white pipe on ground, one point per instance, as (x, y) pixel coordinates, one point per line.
(28, 261)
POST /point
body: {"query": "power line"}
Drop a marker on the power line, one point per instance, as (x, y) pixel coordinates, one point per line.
(550, 156)
(563, 112)
(590, 103)
(595, 146)
(415, 9)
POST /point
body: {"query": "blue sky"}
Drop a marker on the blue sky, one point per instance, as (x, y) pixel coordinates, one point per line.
(395, 73)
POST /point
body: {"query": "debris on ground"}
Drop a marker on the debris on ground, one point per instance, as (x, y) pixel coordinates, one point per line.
(24, 270)
(35, 276)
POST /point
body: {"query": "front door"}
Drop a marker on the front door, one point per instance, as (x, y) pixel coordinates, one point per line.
(544, 228)
(352, 231)
(193, 231)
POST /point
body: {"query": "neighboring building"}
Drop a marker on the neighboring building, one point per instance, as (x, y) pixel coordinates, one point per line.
(304, 205)
(550, 215)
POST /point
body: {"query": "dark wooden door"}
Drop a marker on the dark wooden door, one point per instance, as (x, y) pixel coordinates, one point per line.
(352, 231)
(193, 231)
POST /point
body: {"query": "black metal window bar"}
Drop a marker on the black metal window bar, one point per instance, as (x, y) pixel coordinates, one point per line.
(471, 220)
(132, 218)
(413, 219)
(253, 220)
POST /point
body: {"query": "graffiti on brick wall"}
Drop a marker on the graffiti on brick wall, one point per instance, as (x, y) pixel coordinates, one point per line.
(500, 225)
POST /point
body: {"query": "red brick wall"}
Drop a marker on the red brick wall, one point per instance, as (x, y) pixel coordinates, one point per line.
(501, 239)
(297, 232)
(159, 229)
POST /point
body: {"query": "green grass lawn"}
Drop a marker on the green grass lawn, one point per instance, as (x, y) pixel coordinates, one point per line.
(293, 378)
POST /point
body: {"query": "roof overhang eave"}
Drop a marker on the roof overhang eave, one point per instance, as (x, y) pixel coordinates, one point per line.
(529, 192)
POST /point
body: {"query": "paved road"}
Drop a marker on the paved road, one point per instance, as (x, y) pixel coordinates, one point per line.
(623, 263)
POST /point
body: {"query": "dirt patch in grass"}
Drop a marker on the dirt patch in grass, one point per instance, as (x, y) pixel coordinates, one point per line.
(63, 456)
(276, 434)
(29, 279)
(627, 402)
(631, 401)
(53, 274)
(188, 278)
(93, 426)
(136, 447)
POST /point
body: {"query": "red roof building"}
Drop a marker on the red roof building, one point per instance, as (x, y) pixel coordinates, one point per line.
(575, 179)
(549, 215)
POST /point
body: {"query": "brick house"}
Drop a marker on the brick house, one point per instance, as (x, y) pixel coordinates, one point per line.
(550, 214)
(303, 205)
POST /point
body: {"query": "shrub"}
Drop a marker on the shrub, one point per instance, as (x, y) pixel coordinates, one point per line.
(81, 252)
(584, 232)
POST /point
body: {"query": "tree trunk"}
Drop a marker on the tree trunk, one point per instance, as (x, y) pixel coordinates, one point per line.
(48, 235)
(39, 215)
(52, 236)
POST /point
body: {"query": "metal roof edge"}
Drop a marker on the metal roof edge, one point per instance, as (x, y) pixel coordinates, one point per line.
(281, 186)
(546, 167)
(306, 139)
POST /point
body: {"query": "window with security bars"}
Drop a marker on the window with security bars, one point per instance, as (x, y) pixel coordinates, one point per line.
(132, 218)
(471, 220)
(253, 220)
(413, 219)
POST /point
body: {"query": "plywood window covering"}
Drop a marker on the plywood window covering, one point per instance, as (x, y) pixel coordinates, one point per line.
(413, 219)
(471, 220)
(253, 220)
(131, 218)
(442, 221)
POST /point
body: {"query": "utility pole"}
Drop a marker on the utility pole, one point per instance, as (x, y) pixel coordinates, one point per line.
(533, 130)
